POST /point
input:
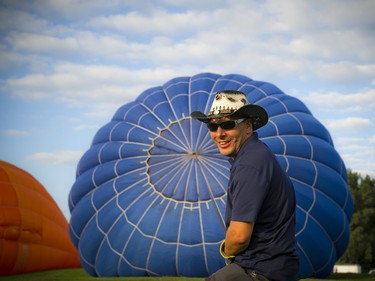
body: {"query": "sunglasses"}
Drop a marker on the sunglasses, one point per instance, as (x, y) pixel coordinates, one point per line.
(227, 125)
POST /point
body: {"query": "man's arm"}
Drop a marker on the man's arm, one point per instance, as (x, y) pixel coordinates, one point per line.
(237, 237)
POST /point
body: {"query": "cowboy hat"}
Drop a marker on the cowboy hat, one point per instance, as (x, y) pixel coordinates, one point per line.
(234, 104)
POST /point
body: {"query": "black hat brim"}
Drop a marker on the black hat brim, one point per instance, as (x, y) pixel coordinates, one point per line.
(256, 113)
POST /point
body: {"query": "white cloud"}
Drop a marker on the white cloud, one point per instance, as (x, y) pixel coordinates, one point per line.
(313, 15)
(359, 158)
(55, 10)
(14, 19)
(45, 44)
(227, 35)
(349, 140)
(75, 84)
(17, 133)
(57, 158)
(358, 152)
(159, 21)
(350, 102)
(349, 123)
(85, 127)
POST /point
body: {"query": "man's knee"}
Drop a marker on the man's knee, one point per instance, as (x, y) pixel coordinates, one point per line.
(231, 272)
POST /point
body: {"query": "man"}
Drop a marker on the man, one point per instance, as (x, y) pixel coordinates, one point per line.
(260, 212)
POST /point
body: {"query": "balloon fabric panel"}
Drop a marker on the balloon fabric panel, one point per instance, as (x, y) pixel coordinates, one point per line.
(149, 197)
(34, 232)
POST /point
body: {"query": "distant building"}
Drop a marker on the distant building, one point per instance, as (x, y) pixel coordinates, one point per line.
(347, 268)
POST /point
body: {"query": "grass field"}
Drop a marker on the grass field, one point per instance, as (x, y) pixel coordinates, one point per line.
(80, 275)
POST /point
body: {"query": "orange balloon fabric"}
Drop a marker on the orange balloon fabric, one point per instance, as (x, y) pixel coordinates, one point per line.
(33, 231)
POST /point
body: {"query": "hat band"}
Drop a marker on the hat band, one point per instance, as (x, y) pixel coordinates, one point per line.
(221, 111)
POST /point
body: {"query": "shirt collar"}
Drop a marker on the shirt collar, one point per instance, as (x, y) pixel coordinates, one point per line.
(253, 138)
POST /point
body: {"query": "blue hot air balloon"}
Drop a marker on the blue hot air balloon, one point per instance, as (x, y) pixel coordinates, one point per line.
(150, 192)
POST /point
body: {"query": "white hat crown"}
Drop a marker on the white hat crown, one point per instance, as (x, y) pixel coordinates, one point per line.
(227, 102)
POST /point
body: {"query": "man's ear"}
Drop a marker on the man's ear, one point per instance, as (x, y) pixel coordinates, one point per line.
(249, 126)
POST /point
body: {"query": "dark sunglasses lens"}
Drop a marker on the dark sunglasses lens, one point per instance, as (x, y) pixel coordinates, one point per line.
(212, 127)
(228, 125)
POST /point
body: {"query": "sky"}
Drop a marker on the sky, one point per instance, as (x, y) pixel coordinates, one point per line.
(66, 66)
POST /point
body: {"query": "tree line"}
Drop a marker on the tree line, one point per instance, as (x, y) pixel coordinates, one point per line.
(361, 248)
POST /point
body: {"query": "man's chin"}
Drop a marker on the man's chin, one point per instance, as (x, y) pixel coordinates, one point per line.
(226, 152)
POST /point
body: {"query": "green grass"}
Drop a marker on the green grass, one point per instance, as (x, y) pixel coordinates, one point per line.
(79, 274)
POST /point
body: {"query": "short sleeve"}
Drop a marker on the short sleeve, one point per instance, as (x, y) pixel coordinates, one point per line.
(248, 189)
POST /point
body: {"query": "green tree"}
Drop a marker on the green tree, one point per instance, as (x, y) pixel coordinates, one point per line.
(361, 248)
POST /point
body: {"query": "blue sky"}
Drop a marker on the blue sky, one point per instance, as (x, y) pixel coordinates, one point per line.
(67, 66)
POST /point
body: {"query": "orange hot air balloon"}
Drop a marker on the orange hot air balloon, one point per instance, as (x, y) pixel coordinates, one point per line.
(33, 231)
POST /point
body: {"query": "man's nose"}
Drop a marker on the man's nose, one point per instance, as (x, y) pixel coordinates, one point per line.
(220, 132)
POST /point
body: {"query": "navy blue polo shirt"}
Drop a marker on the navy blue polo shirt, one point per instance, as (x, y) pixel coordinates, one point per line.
(261, 192)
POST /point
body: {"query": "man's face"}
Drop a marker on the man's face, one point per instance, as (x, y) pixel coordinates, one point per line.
(230, 141)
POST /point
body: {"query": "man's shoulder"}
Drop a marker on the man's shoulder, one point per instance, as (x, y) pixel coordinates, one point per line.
(256, 149)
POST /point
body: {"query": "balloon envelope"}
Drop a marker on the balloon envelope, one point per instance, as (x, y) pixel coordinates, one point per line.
(150, 192)
(33, 231)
